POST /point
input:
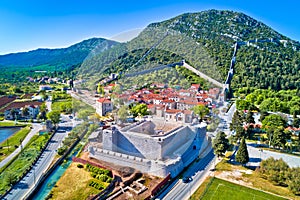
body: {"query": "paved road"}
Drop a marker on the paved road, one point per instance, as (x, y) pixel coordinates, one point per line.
(198, 172)
(34, 130)
(84, 96)
(24, 186)
(256, 156)
(225, 120)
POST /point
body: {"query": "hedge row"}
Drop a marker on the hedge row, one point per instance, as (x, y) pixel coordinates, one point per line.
(96, 185)
(97, 170)
(101, 177)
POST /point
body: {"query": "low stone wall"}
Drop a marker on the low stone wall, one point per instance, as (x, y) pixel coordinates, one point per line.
(175, 159)
(156, 168)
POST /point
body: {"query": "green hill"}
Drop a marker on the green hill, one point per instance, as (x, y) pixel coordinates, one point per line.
(60, 58)
(206, 41)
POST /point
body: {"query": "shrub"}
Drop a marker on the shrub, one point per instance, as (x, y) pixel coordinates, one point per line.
(62, 150)
(102, 177)
(96, 185)
(79, 165)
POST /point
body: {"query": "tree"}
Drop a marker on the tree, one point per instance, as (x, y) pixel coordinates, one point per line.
(293, 180)
(239, 132)
(296, 122)
(14, 113)
(123, 113)
(274, 170)
(25, 112)
(220, 144)
(242, 155)
(274, 120)
(249, 118)
(100, 89)
(83, 114)
(263, 115)
(242, 104)
(11, 178)
(201, 111)
(139, 110)
(278, 137)
(237, 120)
(117, 89)
(54, 116)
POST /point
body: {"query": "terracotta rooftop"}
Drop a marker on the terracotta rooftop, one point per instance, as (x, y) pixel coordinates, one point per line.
(21, 105)
(104, 100)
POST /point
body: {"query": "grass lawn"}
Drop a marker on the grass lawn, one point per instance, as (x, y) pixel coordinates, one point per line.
(13, 170)
(11, 123)
(255, 180)
(62, 105)
(220, 189)
(13, 141)
(74, 184)
(201, 189)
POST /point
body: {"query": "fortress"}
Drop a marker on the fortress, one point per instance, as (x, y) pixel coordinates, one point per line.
(155, 147)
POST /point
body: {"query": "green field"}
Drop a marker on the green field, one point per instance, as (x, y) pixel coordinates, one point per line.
(11, 123)
(13, 170)
(220, 189)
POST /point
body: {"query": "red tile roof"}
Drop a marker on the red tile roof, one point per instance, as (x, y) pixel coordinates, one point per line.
(21, 105)
(104, 100)
(173, 111)
(5, 100)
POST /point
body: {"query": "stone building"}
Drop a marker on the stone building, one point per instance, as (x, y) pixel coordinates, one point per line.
(103, 106)
(153, 147)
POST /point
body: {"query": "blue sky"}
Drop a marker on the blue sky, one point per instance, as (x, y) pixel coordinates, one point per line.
(31, 24)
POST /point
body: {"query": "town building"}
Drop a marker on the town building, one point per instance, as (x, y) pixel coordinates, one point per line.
(103, 106)
(45, 87)
(15, 110)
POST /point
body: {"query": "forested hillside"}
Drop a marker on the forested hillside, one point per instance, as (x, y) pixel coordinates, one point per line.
(62, 62)
(60, 58)
(206, 41)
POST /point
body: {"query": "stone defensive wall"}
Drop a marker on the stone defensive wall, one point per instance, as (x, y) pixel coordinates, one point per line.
(179, 148)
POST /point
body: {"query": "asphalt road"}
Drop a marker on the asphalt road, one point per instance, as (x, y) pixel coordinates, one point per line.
(84, 96)
(33, 131)
(256, 155)
(198, 171)
(24, 186)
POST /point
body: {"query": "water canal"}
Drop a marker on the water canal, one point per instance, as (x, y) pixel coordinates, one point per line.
(7, 132)
(52, 179)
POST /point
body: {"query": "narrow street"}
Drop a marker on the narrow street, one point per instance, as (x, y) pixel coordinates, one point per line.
(43, 163)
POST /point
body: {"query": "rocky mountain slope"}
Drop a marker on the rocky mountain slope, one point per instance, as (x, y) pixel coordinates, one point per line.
(206, 41)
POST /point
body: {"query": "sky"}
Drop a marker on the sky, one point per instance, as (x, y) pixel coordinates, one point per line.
(31, 24)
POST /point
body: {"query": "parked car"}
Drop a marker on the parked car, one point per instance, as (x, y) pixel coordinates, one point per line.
(186, 179)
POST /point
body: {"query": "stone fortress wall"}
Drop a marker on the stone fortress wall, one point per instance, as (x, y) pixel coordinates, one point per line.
(154, 154)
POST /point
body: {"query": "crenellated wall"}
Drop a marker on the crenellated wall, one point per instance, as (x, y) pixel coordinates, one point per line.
(156, 155)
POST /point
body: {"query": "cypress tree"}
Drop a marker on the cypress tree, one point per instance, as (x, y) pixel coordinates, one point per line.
(242, 155)
(250, 118)
(220, 144)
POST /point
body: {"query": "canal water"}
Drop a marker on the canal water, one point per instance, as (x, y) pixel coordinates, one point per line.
(51, 180)
(7, 132)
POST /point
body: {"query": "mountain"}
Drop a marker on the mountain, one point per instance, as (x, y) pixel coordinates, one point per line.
(264, 59)
(60, 58)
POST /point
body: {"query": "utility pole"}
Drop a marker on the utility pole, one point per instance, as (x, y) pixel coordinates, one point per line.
(7, 144)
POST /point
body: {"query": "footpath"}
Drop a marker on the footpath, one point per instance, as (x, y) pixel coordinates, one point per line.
(33, 131)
